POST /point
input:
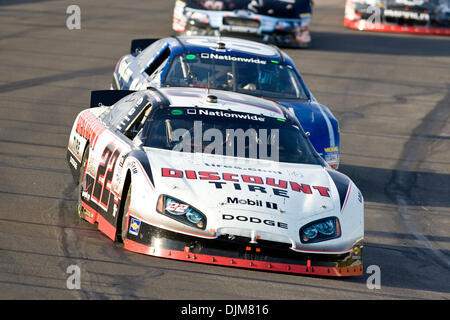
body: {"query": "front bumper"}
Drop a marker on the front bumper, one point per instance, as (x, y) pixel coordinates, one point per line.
(384, 27)
(278, 31)
(239, 252)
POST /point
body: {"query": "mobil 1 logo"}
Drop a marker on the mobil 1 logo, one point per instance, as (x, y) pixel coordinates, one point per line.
(254, 203)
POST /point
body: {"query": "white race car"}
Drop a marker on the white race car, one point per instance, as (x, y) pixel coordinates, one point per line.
(214, 177)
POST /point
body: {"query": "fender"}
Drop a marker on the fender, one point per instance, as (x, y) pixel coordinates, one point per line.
(141, 158)
(75, 151)
(342, 184)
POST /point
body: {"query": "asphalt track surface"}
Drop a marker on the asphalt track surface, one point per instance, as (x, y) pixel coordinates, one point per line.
(390, 92)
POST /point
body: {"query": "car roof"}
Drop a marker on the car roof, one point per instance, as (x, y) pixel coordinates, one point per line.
(226, 100)
(232, 46)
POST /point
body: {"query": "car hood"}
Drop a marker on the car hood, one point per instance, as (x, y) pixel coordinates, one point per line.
(218, 185)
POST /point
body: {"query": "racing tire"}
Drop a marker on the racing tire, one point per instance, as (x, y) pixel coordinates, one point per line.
(124, 230)
(80, 209)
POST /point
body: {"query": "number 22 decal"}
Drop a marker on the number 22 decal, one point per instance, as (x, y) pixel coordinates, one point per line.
(102, 188)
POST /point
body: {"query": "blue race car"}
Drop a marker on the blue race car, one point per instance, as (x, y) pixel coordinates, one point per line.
(233, 65)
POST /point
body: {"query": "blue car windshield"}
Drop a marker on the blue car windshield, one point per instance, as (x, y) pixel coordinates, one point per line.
(255, 76)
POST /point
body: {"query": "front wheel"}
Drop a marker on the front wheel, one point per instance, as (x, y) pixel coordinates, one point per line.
(126, 207)
(82, 183)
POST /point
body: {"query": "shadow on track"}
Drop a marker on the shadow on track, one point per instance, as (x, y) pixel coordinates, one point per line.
(16, 2)
(381, 43)
(422, 189)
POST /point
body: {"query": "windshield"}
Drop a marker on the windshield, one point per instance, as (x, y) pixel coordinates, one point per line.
(229, 133)
(268, 78)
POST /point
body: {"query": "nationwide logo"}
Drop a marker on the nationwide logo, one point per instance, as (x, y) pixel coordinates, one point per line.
(219, 113)
(231, 58)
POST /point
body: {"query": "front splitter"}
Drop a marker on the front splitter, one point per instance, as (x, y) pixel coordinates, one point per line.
(264, 255)
(244, 263)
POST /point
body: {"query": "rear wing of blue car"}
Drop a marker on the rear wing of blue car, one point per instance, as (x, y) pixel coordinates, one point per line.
(107, 97)
(137, 45)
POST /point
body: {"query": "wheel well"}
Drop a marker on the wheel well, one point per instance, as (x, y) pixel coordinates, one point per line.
(126, 185)
(77, 182)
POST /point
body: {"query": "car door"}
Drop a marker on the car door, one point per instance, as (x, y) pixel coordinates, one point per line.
(103, 179)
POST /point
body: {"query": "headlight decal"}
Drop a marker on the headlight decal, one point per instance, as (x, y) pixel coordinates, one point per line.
(181, 211)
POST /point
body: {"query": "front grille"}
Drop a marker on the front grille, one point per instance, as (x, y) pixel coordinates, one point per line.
(241, 22)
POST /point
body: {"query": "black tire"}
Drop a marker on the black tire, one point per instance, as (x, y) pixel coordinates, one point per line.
(124, 230)
(80, 209)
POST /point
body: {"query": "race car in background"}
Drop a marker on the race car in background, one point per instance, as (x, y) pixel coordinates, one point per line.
(406, 16)
(234, 65)
(281, 22)
(149, 174)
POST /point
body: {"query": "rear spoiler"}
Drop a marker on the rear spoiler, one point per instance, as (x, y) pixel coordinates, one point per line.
(107, 97)
(137, 45)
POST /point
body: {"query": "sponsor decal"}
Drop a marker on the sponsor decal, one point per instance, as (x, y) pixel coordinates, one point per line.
(87, 190)
(332, 149)
(356, 251)
(135, 225)
(231, 58)
(73, 162)
(176, 112)
(89, 128)
(255, 220)
(332, 157)
(407, 15)
(76, 144)
(410, 2)
(219, 113)
(332, 154)
(133, 168)
(253, 183)
(86, 195)
(255, 203)
(88, 214)
(241, 168)
(176, 208)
